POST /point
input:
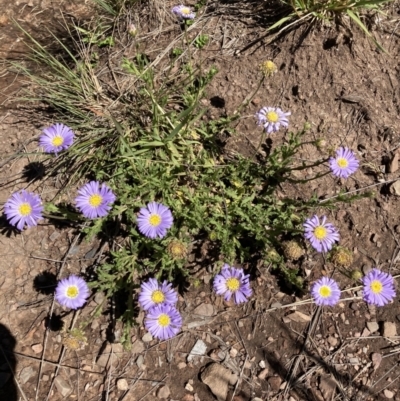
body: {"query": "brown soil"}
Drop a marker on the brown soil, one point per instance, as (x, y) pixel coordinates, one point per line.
(335, 79)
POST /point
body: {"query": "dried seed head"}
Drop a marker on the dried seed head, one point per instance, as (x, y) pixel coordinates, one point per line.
(292, 250)
(74, 340)
(341, 257)
(268, 68)
(272, 256)
(356, 274)
(177, 249)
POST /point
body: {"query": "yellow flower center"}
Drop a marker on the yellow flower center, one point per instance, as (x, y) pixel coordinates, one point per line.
(155, 220)
(185, 10)
(25, 209)
(157, 296)
(72, 291)
(272, 117)
(376, 287)
(95, 200)
(57, 140)
(342, 162)
(320, 232)
(325, 291)
(164, 320)
(232, 284)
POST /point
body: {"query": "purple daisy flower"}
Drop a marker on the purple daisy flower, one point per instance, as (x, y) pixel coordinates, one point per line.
(231, 281)
(94, 200)
(325, 291)
(154, 293)
(378, 288)
(154, 220)
(22, 208)
(272, 118)
(344, 164)
(56, 138)
(183, 12)
(72, 292)
(163, 321)
(321, 234)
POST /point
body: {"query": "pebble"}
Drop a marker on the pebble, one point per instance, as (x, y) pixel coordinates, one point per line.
(182, 365)
(263, 374)
(233, 352)
(299, 317)
(189, 387)
(389, 329)
(275, 383)
(372, 326)
(204, 310)
(388, 394)
(62, 386)
(199, 348)
(147, 338)
(332, 341)
(37, 348)
(122, 384)
(163, 392)
(261, 364)
(26, 374)
(137, 347)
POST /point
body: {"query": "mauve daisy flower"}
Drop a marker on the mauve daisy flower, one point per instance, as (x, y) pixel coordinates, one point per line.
(378, 288)
(272, 118)
(163, 321)
(56, 138)
(72, 292)
(231, 281)
(154, 293)
(344, 164)
(95, 200)
(22, 208)
(183, 12)
(321, 234)
(154, 220)
(325, 291)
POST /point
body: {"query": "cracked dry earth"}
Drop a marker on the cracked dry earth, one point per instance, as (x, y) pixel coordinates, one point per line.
(276, 347)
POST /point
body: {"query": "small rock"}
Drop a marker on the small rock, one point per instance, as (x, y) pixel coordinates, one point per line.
(233, 379)
(122, 384)
(37, 348)
(354, 361)
(204, 310)
(262, 364)
(99, 298)
(163, 392)
(233, 352)
(388, 394)
(263, 374)
(395, 188)
(389, 329)
(188, 397)
(275, 382)
(189, 387)
(62, 386)
(199, 348)
(107, 357)
(217, 379)
(332, 341)
(327, 386)
(299, 317)
(354, 306)
(26, 374)
(182, 365)
(137, 347)
(376, 359)
(365, 332)
(139, 361)
(394, 163)
(256, 399)
(147, 338)
(372, 326)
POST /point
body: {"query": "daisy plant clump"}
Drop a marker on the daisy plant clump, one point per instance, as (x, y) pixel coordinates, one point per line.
(183, 12)
(325, 292)
(154, 220)
(95, 199)
(272, 118)
(153, 293)
(23, 208)
(378, 288)
(344, 163)
(232, 282)
(56, 138)
(321, 234)
(72, 292)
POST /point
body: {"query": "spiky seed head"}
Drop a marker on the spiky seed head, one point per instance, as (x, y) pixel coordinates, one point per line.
(320, 144)
(341, 257)
(356, 274)
(292, 250)
(272, 256)
(213, 236)
(74, 340)
(268, 68)
(177, 249)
